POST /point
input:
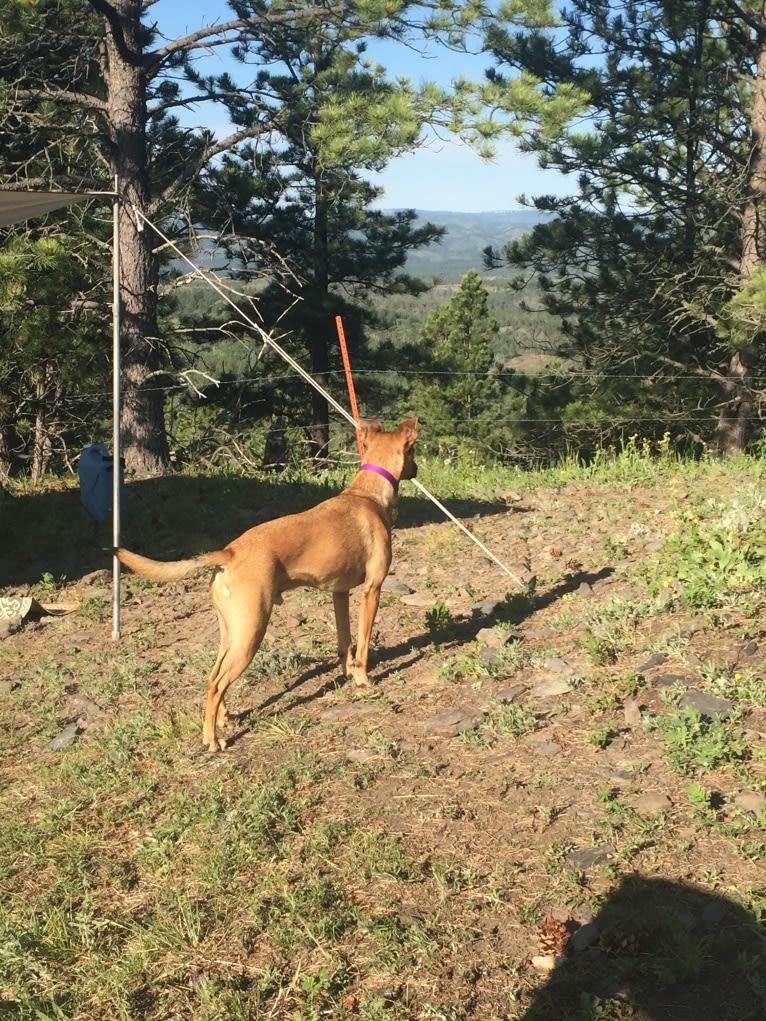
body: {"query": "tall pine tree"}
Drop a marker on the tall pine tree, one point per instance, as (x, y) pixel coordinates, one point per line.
(462, 398)
(305, 201)
(665, 227)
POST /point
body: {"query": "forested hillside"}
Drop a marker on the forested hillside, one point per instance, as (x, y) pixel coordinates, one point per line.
(466, 339)
(467, 235)
(525, 330)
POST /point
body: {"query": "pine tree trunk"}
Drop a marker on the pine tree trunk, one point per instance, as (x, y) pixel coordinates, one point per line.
(734, 428)
(45, 403)
(319, 441)
(142, 425)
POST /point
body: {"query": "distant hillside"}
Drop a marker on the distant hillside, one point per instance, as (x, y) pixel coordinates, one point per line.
(468, 234)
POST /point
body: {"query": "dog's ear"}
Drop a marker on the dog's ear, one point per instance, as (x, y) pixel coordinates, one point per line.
(410, 428)
(367, 427)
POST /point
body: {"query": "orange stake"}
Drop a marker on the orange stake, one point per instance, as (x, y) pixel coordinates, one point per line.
(349, 380)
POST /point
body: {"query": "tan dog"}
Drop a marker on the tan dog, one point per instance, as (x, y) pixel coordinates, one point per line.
(336, 546)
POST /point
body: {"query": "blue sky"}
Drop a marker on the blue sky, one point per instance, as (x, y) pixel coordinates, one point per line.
(443, 174)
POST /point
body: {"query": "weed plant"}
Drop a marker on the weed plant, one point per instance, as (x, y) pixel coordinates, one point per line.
(713, 558)
(693, 743)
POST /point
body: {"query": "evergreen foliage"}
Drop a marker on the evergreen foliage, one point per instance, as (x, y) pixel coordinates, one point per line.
(653, 265)
(460, 396)
(644, 262)
(53, 353)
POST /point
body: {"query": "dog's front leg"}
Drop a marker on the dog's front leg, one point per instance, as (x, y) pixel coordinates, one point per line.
(343, 626)
(368, 608)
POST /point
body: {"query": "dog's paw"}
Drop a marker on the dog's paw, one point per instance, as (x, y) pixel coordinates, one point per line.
(217, 744)
(360, 679)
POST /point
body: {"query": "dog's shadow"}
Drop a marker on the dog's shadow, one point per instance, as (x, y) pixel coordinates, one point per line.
(513, 610)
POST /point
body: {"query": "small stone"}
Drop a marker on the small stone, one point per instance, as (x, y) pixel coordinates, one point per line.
(67, 736)
(555, 665)
(751, 801)
(348, 712)
(396, 587)
(488, 607)
(651, 805)
(550, 689)
(668, 680)
(489, 658)
(507, 695)
(587, 857)
(560, 912)
(618, 776)
(361, 755)
(546, 963)
(543, 742)
(585, 937)
(455, 721)
(709, 706)
(656, 659)
(546, 749)
(510, 496)
(102, 576)
(496, 637)
(632, 712)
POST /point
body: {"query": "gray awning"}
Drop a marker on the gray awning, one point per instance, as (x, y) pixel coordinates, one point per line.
(24, 205)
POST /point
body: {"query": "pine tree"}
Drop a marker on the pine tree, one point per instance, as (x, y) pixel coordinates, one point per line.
(461, 396)
(304, 200)
(665, 226)
(52, 350)
(305, 203)
(87, 101)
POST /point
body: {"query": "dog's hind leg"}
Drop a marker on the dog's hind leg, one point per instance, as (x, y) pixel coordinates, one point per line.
(231, 664)
(242, 630)
(342, 623)
(222, 717)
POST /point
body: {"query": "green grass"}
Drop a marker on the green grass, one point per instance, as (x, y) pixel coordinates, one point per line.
(142, 878)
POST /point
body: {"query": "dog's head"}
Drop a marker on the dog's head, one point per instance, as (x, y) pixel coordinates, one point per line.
(393, 451)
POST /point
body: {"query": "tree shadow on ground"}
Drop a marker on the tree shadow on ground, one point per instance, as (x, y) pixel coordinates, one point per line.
(661, 950)
(45, 531)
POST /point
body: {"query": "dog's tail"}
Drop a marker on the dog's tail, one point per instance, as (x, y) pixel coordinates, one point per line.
(171, 570)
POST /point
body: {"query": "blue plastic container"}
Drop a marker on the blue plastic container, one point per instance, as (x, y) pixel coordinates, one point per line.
(96, 471)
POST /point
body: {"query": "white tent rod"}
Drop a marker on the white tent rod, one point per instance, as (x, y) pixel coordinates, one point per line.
(116, 403)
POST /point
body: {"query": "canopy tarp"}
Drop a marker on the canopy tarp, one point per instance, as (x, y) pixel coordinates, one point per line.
(24, 205)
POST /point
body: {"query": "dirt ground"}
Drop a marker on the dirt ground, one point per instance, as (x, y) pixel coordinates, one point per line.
(572, 828)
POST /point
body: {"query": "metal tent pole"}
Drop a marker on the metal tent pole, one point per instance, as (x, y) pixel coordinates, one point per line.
(116, 471)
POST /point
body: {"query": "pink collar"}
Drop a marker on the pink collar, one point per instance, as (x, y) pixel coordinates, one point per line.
(382, 471)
